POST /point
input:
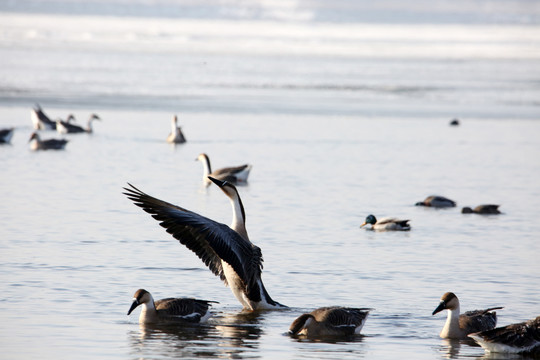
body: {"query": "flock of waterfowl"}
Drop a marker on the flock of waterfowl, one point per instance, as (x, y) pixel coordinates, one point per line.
(228, 252)
(435, 201)
(40, 121)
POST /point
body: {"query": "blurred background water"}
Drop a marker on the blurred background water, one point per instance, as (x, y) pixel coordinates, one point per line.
(342, 109)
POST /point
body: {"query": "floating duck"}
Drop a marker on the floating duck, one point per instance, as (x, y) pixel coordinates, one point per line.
(520, 338)
(66, 127)
(387, 224)
(227, 251)
(330, 321)
(176, 136)
(459, 326)
(50, 144)
(482, 209)
(235, 175)
(170, 310)
(436, 201)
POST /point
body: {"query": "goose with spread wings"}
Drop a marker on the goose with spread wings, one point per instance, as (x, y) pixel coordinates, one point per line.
(227, 251)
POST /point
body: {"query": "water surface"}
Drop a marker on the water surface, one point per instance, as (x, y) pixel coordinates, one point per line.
(339, 118)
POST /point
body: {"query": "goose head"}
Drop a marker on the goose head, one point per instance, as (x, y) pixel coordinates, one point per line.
(239, 214)
(34, 136)
(94, 117)
(304, 321)
(202, 157)
(140, 297)
(449, 301)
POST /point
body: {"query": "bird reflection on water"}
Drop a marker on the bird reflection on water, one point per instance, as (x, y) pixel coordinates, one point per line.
(227, 334)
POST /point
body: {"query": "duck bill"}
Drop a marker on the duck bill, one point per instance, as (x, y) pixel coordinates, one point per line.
(439, 308)
(363, 224)
(133, 306)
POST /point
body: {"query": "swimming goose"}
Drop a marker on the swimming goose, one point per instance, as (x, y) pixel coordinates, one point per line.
(6, 135)
(330, 321)
(176, 136)
(436, 201)
(65, 127)
(50, 144)
(459, 326)
(387, 224)
(482, 209)
(40, 121)
(226, 251)
(170, 309)
(234, 175)
(516, 338)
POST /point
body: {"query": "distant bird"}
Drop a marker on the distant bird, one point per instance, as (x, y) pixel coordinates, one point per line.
(235, 175)
(226, 251)
(50, 144)
(170, 310)
(330, 321)
(482, 209)
(387, 224)
(66, 127)
(459, 326)
(40, 121)
(454, 122)
(176, 136)
(520, 338)
(436, 201)
(6, 135)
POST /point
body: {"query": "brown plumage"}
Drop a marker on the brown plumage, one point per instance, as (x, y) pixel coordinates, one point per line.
(486, 209)
(522, 337)
(169, 310)
(330, 321)
(436, 201)
(457, 325)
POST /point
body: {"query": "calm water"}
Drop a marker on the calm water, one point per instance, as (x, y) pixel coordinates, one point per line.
(340, 119)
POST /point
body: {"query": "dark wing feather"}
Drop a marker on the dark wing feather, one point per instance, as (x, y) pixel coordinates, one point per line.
(190, 310)
(230, 170)
(344, 317)
(522, 335)
(54, 143)
(209, 240)
(71, 128)
(478, 320)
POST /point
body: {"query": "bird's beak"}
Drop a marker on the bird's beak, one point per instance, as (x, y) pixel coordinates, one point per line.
(217, 182)
(441, 307)
(133, 305)
(364, 223)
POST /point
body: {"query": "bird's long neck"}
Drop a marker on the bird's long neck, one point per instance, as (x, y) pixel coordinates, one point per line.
(148, 312)
(239, 217)
(206, 167)
(89, 125)
(173, 125)
(451, 327)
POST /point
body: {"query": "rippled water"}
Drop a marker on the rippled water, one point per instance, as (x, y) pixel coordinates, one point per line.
(339, 120)
(74, 249)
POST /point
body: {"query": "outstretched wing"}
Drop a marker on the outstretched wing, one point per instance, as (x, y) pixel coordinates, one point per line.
(209, 240)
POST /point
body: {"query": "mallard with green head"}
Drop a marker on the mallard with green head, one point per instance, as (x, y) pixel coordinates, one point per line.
(387, 224)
